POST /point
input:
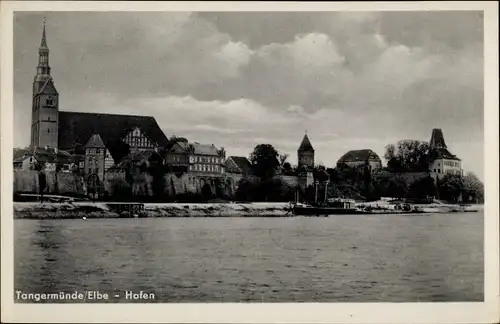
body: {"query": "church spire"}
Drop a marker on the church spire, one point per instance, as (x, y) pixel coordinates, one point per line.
(43, 69)
(43, 44)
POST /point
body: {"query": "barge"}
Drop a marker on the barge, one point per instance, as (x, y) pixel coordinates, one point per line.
(339, 206)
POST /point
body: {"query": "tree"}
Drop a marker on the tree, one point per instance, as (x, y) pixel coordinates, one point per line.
(473, 187)
(282, 158)
(320, 174)
(264, 160)
(407, 155)
(287, 167)
(450, 187)
(178, 139)
(423, 188)
(390, 152)
(245, 191)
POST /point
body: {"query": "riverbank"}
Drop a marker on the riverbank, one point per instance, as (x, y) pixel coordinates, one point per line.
(32, 210)
(435, 207)
(89, 210)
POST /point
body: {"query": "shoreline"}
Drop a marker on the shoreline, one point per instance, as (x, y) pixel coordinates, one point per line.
(91, 210)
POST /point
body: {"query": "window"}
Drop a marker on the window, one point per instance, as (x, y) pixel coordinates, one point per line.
(48, 119)
(48, 130)
(439, 170)
(49, 101)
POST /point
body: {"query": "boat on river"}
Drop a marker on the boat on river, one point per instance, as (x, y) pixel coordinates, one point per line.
(340, 206)
(331, 207)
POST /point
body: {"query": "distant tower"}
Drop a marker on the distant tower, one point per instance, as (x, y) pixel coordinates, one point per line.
(95, 155)
(305, 153)
(45, 105)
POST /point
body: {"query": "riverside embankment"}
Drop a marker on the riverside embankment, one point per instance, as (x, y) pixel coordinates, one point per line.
(71, 210)
(31, 210)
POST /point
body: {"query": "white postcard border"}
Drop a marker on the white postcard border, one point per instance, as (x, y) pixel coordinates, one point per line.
(485, 312)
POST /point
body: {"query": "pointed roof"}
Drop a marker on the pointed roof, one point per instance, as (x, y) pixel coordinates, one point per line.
(437, 139)
(306, 144)
(48, 87)
(43, 43)
(95, 141)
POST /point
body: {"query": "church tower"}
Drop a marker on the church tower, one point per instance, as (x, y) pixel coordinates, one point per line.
(305, 153)
(45, 105)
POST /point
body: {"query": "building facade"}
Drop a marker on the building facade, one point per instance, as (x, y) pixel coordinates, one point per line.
(203, 163)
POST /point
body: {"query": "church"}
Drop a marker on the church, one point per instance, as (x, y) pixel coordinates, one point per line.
(96, 141)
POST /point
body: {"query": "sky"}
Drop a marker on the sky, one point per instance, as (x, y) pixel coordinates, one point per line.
(351, 80)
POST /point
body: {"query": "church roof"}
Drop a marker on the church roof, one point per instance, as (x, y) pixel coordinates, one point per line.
(95, 141)
(358, 155)
(75, 129)
(306, 144)
(437, 139)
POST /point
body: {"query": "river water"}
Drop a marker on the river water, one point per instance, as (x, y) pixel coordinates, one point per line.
(344, 258)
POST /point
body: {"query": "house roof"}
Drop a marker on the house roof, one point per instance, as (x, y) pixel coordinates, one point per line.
(75, 129)
(441, 153)
(242, 164)
(359, 155)
(306, 144)
(95, 141)
(205, 149)
(42, 154)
